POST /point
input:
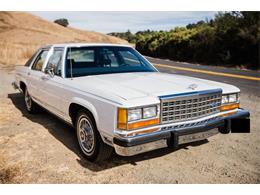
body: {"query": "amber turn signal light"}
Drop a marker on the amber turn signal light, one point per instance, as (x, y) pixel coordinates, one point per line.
(145, 123)
(229, 107)
(122, 118)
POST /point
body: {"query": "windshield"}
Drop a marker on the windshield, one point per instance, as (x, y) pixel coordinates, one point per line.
(86, 61)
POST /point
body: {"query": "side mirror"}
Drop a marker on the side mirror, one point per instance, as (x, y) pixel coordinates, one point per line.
(49, 70)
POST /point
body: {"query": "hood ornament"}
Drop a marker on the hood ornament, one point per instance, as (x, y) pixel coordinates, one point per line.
(193, 86)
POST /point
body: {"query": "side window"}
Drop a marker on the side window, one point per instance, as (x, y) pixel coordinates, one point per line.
(38, 63)
(55, 61)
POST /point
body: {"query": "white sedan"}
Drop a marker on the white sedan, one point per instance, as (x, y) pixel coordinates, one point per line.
(116, 99)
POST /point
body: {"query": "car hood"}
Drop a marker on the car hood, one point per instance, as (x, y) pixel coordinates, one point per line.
(137, 85)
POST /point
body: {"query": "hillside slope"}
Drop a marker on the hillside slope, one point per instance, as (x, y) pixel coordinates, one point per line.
(22, 33)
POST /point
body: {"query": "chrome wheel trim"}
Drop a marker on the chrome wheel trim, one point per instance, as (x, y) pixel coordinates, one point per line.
(86, 135)
(28, 100)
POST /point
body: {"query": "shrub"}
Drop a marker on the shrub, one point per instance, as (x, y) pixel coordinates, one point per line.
(231, 38)
(62, 21)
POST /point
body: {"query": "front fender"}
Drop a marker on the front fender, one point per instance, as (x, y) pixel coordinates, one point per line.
(86, 104)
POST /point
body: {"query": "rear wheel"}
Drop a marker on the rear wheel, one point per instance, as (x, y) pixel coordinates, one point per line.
(31, 106)
(89, 139)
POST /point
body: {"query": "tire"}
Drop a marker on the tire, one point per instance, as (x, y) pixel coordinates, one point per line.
(30, 105)
(89, 139)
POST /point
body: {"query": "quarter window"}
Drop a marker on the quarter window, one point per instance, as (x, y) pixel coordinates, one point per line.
(40, 60)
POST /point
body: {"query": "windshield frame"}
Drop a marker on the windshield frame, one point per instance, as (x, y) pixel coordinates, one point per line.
(150, 67)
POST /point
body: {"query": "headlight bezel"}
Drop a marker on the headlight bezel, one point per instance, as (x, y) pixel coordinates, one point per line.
(123, 122)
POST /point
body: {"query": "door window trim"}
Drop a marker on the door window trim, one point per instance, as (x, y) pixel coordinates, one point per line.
(36, 58)
(62, 49)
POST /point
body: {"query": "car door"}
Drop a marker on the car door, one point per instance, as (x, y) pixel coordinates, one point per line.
(52, 82)
(35, 73)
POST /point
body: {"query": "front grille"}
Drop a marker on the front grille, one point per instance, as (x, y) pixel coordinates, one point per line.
(189, 106)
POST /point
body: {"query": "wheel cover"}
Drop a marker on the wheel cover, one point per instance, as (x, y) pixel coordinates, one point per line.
(86, 135)
(28, 100)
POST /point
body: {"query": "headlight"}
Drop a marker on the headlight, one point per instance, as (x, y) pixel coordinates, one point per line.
(224, 99)
(135, 114)
(229, 102)
(150, 112)
(135, 118)
(230, 98)
(233, 98)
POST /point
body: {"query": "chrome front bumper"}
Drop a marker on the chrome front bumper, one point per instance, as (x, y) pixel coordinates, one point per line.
(170, 136)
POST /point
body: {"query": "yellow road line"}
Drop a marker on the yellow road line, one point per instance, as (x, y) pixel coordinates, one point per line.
(209, 72)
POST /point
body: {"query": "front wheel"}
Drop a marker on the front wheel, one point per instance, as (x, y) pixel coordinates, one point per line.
(90, 142)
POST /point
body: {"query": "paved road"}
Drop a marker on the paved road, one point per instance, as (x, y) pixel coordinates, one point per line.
(248, 81)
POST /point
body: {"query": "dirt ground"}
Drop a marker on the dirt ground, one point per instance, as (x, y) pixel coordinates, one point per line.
(41, 149)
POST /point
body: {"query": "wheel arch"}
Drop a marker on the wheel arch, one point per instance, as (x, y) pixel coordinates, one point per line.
(78, 104)
(22, 86)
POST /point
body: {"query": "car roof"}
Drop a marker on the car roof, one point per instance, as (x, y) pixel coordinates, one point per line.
(84, 45)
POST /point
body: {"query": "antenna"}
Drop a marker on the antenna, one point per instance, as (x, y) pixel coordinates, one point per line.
(71, 75)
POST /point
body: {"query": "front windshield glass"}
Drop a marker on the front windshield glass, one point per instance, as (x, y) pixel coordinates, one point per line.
(84, 61)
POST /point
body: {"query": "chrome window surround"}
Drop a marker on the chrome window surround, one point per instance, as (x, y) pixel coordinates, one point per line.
(189, 106)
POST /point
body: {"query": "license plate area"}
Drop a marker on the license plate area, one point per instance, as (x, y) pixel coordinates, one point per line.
(192, 137)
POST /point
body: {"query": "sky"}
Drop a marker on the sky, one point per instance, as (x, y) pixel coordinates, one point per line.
(106, 22)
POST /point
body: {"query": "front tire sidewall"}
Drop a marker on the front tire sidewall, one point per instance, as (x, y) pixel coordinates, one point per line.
(91, 155)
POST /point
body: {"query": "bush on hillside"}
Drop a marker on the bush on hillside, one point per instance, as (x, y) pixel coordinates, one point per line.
(62, 21)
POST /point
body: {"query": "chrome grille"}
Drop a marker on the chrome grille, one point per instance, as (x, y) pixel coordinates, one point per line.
(189, 106)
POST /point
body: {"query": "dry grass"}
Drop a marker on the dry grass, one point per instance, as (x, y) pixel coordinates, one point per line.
(22, 33)
(9, 173)
(13, 54)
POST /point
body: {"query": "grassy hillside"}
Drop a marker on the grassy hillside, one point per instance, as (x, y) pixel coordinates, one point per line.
(22, 33)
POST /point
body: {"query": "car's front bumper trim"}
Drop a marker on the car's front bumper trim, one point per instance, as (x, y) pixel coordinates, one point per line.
(137, 149)
(134, 145)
